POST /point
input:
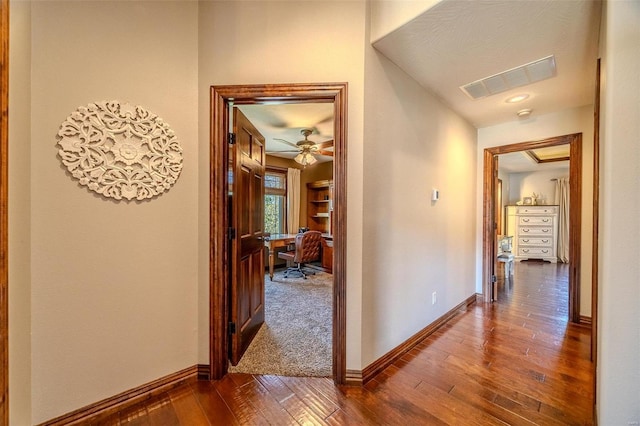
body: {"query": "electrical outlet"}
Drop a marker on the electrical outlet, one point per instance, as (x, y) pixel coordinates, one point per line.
(434, 298)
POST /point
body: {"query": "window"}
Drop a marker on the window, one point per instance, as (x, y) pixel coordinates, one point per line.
(275, 202)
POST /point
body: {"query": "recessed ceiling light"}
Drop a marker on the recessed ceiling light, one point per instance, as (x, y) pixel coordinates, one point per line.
(524, 113)
(517, 98)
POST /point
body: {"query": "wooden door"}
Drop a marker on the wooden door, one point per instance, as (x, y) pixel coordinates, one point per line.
(246, 188)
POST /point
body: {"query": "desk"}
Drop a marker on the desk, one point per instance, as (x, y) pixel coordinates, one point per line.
(274, 241)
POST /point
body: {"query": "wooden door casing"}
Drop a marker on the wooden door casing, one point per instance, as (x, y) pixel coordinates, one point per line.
(575, 220)
(247, 248)
(219, 205)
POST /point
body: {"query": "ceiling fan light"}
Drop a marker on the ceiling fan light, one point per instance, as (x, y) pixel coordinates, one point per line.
(310, 159)
(299, 158)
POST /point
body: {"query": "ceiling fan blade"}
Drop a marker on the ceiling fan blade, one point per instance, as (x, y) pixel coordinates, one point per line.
(325, 152)
(283, 152)
(287, 142)
(325, 144)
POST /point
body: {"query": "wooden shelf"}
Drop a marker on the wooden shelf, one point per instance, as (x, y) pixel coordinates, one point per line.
(320, 206)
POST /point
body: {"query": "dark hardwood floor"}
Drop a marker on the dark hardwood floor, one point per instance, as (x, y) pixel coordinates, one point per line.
(518, 362)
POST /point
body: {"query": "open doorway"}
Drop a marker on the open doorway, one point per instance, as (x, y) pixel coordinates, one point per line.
(490, 219)
(532, 205)
(295, 338)
(221, 98)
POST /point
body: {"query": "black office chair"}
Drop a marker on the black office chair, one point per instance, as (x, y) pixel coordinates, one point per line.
(307, 250)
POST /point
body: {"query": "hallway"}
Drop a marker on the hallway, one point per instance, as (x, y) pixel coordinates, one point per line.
(517, 362)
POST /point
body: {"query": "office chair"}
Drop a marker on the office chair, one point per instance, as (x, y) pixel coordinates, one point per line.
(307, 250)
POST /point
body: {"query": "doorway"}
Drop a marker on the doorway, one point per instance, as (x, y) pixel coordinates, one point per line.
(489, 213)
(221, 97)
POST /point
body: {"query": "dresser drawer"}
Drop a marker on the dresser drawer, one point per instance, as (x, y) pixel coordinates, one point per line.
(529, 210)
(540, 242)
(524, 231)
(534, 251)
(535, 220)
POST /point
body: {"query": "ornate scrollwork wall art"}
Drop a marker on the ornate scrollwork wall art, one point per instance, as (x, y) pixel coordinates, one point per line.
(119, 150)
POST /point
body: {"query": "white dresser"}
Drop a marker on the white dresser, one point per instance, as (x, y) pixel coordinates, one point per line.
(534, 230)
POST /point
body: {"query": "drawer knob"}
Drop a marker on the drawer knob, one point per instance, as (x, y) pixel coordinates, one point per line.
(545, 251)
(545, 230)
(525, 241)
(525, 220)
(545, 241)
(525, 250)
(545, 220)
(525, 230)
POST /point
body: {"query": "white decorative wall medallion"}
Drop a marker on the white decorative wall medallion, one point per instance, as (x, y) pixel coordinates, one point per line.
(120, 150)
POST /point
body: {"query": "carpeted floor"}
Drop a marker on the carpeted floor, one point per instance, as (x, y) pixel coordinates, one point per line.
(295, 339)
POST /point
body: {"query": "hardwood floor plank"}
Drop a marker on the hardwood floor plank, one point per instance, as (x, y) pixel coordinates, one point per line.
(212, 403)
(187, 408)
(233, 396)
(266, 404)
(439, 403)
(161, 411)
(297, 408)
(356, 413)
(316, 401)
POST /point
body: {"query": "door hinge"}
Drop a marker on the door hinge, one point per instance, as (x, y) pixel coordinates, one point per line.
(232, 328)
(232, 138)
(494, 278)
(232, 233)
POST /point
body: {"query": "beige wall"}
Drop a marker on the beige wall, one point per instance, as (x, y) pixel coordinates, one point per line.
(20, 214)
(618, 373)
(412, 246)
(254, 42)
(114, 284)
(577, 120)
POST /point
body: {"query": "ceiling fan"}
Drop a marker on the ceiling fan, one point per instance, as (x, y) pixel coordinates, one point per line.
(306, 148)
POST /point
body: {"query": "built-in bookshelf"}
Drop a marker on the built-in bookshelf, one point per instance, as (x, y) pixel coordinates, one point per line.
(320, 206)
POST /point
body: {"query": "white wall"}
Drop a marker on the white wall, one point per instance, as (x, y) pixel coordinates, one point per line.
(114, 284)
(577, 120)
(524, 184)
(253, 42)
(412, 246)
(618, 375)
(19, 214)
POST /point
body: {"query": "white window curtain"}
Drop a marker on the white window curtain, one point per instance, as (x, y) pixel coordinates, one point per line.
(293, 200)
(562, 200)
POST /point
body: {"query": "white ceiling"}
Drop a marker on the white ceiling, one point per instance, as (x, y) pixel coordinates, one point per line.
(286, 121)
(458, 42)
(520, 162)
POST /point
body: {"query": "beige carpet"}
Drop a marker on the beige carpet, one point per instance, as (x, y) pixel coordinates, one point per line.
(295, 339)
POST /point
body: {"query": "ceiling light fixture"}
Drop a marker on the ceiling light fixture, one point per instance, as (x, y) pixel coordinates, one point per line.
(517, 98)
(524, 113)
(305, 158)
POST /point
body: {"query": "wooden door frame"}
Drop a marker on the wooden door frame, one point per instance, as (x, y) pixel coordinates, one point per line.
(335, 93)
(4, 204)
(575, 212)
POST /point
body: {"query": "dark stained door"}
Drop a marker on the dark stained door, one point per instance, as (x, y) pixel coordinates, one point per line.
(246, 186)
